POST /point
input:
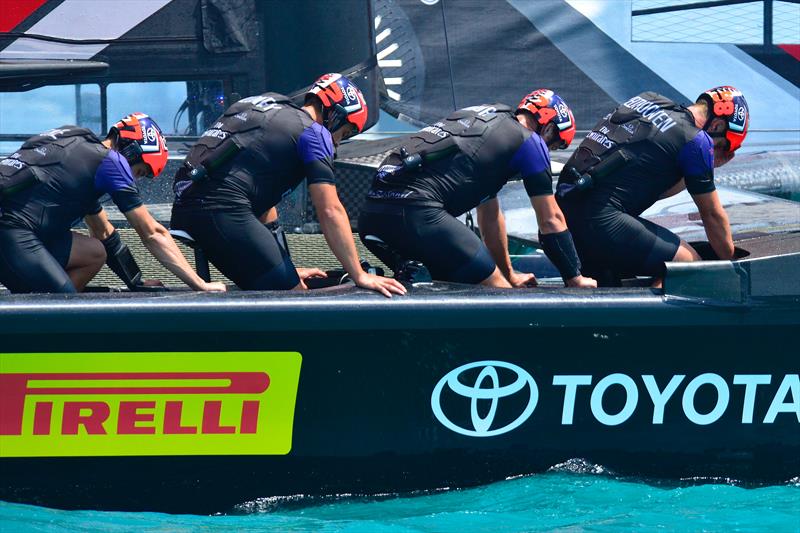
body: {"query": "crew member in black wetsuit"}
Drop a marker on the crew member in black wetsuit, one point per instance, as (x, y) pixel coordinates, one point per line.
(461, 162)
(660, 148)
(256, 153)
(58, 177)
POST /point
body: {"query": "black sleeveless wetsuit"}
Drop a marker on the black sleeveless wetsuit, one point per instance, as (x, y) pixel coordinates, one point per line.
(277, 146)
(52, 182)
(467, 158)
(663, 146)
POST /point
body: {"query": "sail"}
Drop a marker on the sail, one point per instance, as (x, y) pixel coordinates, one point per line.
(440, 55)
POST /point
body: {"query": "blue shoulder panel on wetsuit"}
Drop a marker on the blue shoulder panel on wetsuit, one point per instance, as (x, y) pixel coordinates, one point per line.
(532, 161)
(114, 177)
(696, 160)
(315, 148)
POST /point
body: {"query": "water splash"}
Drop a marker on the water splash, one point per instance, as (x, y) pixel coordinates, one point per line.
(580, 466)
(574, 495)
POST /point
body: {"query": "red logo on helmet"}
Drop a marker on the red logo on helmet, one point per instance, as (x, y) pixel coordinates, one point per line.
(334, 89)
(546, 107)
(142, 129)
(728, 102)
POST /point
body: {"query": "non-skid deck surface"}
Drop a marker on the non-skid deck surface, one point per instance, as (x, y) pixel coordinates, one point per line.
(308, 250)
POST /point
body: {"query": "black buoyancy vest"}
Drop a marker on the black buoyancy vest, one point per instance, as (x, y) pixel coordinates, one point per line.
(246, 115)
(57, 152)
(646, 117)
(453, 133)
(455, 162)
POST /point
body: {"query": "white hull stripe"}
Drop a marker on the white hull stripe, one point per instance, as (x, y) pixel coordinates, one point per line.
(82, 19)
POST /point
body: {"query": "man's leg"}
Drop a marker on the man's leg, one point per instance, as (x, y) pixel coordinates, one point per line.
(450, 250)
(627, 246)
(496, 279)
(380, 229)
(26, 265)
(663, 246)
(686, 254)
(582, 230)
(86, 257)
(281, 277)
(243, 249)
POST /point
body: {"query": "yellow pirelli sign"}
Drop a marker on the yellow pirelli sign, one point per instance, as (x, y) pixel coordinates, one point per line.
(165, 403)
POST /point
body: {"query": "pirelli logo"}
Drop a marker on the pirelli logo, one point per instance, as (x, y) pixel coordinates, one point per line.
(93, 404)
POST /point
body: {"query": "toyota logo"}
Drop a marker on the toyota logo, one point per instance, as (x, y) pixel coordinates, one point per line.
(482, 425)
(151, 134)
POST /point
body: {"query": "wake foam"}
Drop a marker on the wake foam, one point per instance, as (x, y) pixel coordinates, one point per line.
(580, 466)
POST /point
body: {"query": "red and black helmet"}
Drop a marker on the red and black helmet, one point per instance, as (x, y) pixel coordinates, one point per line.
(140, 139)
(342, 102)
(728, 102)
(546, 106)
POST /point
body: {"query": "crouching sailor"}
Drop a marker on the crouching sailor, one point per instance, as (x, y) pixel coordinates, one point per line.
(58, 177)
(256, 153)
(461, 162)
(646, 149)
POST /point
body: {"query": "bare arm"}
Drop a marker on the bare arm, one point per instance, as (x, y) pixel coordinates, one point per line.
(159, 242)
(715, 221)
(548, 214)
(101, 228)
(99, 225)
(493, 229)
(336, 227)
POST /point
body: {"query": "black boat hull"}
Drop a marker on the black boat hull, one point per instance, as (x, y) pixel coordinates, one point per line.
(375, 411)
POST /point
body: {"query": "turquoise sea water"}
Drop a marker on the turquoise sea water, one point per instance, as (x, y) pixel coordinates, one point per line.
(554, 501)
